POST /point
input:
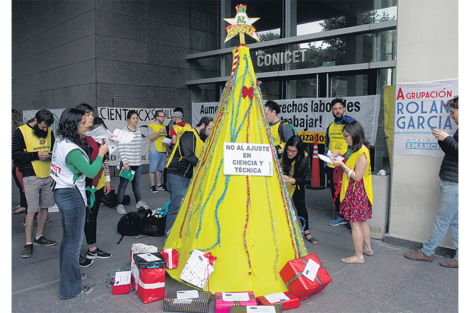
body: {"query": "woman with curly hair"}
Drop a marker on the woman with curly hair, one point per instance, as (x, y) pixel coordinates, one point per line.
(356, 190)
(294, 168)
(69, 168)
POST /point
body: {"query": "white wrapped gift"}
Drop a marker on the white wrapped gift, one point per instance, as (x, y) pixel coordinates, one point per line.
(198, 269)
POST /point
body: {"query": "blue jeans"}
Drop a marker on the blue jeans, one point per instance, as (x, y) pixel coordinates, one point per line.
(447, 217)
(135, 185)
(177, 185)
(72, 216)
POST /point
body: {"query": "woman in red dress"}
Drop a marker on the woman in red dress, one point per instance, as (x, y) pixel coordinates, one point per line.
(356, 190)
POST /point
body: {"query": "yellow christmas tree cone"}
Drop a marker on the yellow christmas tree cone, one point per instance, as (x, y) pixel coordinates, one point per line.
(246, 221)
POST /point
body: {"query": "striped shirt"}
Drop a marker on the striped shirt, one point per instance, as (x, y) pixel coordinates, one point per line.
(131, 152)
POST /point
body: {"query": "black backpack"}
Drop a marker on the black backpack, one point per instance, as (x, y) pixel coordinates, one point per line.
(132, 223)
(154, 226)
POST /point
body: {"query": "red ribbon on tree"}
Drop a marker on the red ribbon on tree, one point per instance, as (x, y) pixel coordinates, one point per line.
(247, 92)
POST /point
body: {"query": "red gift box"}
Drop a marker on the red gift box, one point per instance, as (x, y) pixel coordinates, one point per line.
(171, 257)
(149, 283)
(222, 306)
(301, 286)
(122, 289)
(292, 303)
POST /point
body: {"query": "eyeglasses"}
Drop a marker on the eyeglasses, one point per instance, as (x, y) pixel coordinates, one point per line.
(88, 113)
(161, 116)
(292, 151)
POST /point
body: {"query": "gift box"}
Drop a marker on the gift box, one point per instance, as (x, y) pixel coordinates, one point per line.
(122, 283)
(305, 276)
(148, 281)
(150, 260)
(274, 299)
(171, 303)
(141, 248)
(241, 298)
(255, 309)
(198, 269)
(171, 257)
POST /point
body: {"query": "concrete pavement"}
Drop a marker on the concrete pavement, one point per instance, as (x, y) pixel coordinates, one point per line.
(386, 282)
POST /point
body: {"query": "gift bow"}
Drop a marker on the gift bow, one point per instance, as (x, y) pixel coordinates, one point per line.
(210, 258)
(247, 92)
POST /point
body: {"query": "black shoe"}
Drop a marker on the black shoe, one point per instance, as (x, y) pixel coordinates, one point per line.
(84, 262)
(160, 187)
(43, 241)
(27, 251)
(98, 254)
(153, 189)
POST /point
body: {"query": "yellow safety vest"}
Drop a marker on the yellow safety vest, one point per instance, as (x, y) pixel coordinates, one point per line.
(351, 163)
(336, 140)
(33, 143)
(197, 150)
(159, 144)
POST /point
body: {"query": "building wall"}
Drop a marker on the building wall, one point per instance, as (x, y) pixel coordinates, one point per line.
(427, 50)
(108, 52)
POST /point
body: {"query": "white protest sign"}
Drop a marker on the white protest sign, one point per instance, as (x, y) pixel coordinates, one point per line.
(419, 108)
(253, 159)
(313, 115)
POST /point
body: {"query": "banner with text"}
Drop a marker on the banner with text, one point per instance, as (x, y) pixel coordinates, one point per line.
(117, 118)
(419, 108)
(312, 116)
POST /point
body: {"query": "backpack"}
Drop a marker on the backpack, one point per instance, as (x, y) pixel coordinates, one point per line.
(154, 226)
(279, 129)
(131, 224)
(110, 199)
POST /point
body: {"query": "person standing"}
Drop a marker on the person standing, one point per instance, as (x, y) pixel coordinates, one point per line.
(69, 168)
(157, 151)
(96, 188)
(356, 190)
(280, 130)
(334, 141)
(17, 121)
(31, 147)
(130, 159)
(181, 163)
(294, 168)
(179, 126)
(172, 122)
(448, 215)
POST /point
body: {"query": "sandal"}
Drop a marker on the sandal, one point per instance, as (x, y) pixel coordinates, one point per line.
(18, 210)
(312, 239)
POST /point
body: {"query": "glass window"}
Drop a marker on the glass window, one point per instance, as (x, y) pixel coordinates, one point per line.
(317, 16)
(348, 85)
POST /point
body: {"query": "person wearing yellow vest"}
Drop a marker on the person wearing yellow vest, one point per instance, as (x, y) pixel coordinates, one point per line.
(32, 144)
(157, 151)
(178, 127)
(334, 141)
(280, 130)
(356, 190)
(182, 162)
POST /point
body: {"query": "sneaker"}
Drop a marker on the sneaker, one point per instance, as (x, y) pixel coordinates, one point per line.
(43, 241)
(27, 251)
(153, 189)
(85, 291)
(120, 209)
(85, 262)
(98, 254)
(160, 187)
(141, 203)
(339, 221)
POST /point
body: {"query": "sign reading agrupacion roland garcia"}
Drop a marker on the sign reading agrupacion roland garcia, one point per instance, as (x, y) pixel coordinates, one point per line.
(252, 159)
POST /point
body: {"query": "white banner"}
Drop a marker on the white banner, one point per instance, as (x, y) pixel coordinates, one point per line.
(313, 114)
(117, 118)
(419, 108)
